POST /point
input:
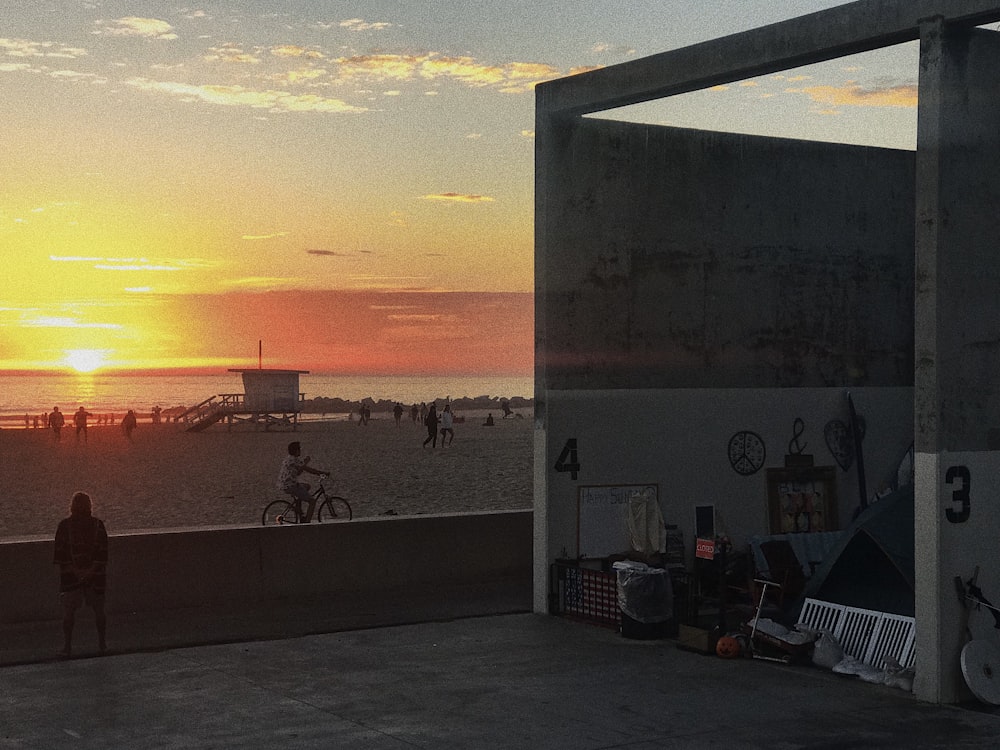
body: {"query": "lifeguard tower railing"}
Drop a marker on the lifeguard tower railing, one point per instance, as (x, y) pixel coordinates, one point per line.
(233, 407)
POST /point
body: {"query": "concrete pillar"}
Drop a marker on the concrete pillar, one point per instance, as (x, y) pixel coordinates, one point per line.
(957, 342)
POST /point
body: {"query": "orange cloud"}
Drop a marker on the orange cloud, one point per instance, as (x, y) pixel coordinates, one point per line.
(295, 50)
(853, 95)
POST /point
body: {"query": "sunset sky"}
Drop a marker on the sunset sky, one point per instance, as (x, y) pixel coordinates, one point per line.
(349, 183)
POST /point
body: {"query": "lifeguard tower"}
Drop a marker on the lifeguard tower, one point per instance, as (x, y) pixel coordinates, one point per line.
(270, 398)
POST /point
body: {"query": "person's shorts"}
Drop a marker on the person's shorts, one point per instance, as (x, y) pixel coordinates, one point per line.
(73, 600)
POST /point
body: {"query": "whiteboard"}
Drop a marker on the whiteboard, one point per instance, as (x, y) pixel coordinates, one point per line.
(602, 517)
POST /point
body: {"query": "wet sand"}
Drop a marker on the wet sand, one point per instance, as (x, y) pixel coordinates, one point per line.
(168, 478)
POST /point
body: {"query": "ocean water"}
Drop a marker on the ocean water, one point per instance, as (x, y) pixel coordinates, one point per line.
(37, 394)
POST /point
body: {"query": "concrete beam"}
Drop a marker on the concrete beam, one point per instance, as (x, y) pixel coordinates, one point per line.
(845, 30)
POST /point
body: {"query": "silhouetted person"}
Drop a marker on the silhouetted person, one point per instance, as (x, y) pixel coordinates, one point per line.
(489, 420)
(505, 405)
(155, 415)
(288, 479)
(431, 421)
(397, 413)
(56, 422)
(80, 420)
(447, 430)
(81, 552)
(414, 413)
(128, 424)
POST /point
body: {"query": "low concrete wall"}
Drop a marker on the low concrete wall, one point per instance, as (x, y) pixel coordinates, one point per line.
(196, 567)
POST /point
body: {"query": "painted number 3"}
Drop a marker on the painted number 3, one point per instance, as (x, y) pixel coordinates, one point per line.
(567, 460)
(959, 512)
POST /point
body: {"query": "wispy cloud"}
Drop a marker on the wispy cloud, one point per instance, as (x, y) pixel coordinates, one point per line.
(26, 48)
(231, 53)
(604, 48)
(263, 282)
(458, 198)
(48, 321)
(328, 253)
(149, 28)
(138, 263)
(236, 96)
(359, 24)
(273, 235)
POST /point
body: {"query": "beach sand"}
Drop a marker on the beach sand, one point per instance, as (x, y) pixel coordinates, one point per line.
(168, 478)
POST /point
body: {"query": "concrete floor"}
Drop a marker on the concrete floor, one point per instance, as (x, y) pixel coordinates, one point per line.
(501, 681)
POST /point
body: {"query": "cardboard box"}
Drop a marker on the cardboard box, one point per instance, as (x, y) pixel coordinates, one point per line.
(696, 639)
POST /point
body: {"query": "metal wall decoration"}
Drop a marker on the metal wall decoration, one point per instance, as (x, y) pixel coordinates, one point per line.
(746, 452)
(798, 427)
(840, 441)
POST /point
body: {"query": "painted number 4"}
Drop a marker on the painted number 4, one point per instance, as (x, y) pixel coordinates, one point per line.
(959, 513)
(567, 460)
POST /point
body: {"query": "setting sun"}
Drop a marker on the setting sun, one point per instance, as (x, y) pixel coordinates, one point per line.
(84, 360)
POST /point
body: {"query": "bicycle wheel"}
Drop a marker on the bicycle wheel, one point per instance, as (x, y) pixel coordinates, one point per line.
(334, 508)
(279, 512)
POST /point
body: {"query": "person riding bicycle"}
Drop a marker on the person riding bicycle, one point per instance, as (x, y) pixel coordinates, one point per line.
(288, 479)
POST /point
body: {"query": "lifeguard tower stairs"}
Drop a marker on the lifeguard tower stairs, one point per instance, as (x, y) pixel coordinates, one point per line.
(271, 399)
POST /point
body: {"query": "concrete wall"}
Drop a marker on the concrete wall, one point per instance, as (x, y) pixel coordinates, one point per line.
(200, 567)
(957, 394)
(684, 258)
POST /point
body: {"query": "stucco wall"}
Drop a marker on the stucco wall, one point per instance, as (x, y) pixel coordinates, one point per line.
(197, 567)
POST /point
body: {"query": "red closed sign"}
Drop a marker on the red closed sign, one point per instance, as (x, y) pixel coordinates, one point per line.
(704, 549)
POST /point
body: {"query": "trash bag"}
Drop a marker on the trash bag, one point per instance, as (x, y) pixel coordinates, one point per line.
(644, 593)
(827, 652)
(854, 666)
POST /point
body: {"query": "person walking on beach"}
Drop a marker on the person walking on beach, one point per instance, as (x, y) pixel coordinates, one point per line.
(288, 478)
(397, 413)
(80, 420)
(414, 413)
(431, 420)
(447, 431)
(128, 424)
(81, 552)
(56, 422)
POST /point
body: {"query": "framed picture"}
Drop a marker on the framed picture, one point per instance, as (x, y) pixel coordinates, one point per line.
(802, 499)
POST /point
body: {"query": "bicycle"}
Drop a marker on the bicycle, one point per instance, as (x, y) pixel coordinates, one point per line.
(329, 508)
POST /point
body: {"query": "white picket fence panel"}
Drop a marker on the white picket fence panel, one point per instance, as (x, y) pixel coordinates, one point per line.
(865, 634)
